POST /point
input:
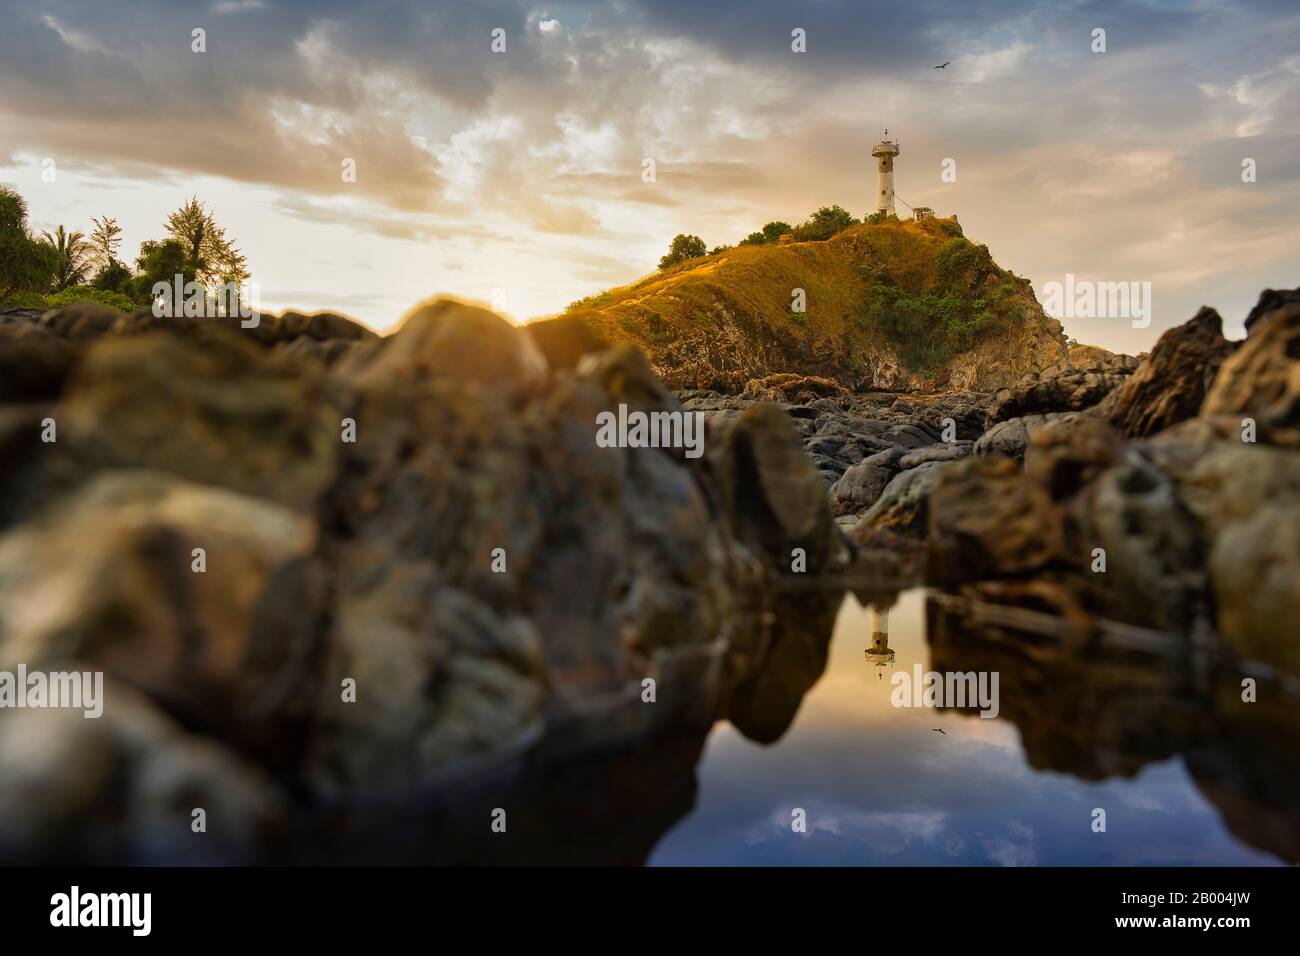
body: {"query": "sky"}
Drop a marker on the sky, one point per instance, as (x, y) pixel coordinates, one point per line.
(515, 176)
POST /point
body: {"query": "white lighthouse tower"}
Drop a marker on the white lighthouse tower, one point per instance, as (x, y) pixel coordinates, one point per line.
(885, 151)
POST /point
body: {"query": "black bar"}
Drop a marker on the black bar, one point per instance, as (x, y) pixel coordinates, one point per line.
(330, 906)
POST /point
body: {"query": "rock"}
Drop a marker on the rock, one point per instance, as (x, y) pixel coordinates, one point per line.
(1011, 437)
(1170, 384)
(827, 405)
(944, 451)
(327, 351)
(882, 554)
(1067, 454)
(122, 788)
(321, 326)
(624, 375)
(229, 650)
(1079, 490)
(1262, 379)
(1057, 389)
(1227, 482)
(773, 497)
(910, 436)
(1245, 498)
(787, 386)
(449, 679)
(862, 484)
(80, 321)
(1093, 356)
(987, 521)
(1254, 566)
(1153, 548)
(34, 362)
(452, 341)
(902, 506)
(1270, 301)
(23, 482)
(564, 341)
(227, 413)
(968, 417)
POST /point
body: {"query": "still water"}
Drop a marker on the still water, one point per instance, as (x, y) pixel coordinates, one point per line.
(880, 785)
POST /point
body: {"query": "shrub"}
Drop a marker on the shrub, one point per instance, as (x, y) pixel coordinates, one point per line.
(956, 260)
(85, 293)
(27, 267)
(113, 277)
(769, 236)
(926, 330)
(683, 247)
(824, 223)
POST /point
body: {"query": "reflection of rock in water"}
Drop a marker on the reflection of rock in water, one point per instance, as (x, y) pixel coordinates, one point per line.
(1108, 700)
(792, 658)
(606, 810)
(1250, 770)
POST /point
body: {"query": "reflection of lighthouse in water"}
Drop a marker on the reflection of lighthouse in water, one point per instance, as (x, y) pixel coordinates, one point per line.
(879, 652)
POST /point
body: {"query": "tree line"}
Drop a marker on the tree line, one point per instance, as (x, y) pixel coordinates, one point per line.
(60, 267)
(824, 223)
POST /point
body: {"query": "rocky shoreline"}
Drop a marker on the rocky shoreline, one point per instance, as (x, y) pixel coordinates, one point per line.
(241, 527)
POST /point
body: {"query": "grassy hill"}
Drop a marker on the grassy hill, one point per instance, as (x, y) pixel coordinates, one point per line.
(899, 304)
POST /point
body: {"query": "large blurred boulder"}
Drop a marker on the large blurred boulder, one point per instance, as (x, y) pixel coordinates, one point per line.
(209, 406)
(441, 679)
(34, 362)
(564, 340)
(457, 342)
(80, 321)
(772, 496)
(1153, 549)
(1246, 497)
(1254, 567)
(987, 521)
(123, 789)
(227, 639)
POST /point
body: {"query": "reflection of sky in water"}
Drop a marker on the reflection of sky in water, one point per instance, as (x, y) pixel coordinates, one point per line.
(881, 787)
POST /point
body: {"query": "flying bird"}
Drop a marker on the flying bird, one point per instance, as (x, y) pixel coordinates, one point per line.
(938, 731)
(943, 66)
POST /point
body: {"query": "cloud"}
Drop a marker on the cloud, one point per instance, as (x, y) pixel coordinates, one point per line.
(1114, 165)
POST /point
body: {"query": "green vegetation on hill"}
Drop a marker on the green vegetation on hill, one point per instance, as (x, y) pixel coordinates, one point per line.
(887, 299)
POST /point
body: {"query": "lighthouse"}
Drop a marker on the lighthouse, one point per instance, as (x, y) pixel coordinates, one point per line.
(885, 151)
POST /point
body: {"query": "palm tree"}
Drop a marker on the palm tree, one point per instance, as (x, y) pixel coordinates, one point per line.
(73, 257)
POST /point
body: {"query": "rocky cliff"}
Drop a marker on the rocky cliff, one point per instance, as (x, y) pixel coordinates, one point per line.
(894, 305)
